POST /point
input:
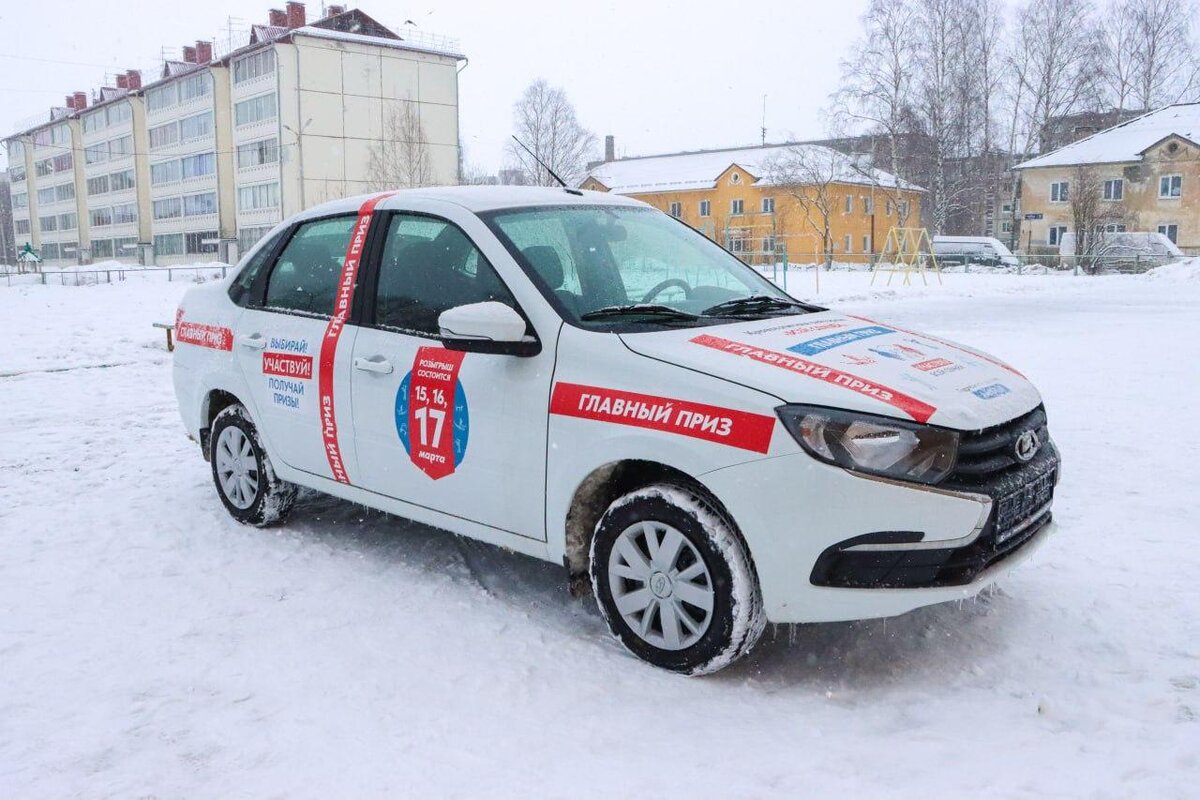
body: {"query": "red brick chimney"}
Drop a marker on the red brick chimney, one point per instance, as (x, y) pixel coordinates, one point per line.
(189, 54)
(135, 79)
(80, 101)
(203, 52)
(70, 101)
(122, 81)
(295, 14)
(277, 18)
(333, 11)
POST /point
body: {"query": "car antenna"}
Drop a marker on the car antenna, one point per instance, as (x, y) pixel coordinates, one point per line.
(553, 174)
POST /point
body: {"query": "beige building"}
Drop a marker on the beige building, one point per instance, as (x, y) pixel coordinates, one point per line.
(1145, 172)
(201, 162)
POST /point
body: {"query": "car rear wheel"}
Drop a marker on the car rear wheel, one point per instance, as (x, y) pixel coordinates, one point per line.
(242, 471)
(674, 581)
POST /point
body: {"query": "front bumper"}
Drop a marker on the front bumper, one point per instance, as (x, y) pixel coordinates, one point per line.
(829, 545)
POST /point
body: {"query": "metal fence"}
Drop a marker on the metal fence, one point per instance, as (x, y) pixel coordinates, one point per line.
(88, 277)
(1025, 264)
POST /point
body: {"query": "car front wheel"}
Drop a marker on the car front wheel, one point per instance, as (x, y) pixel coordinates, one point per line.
(674, 581)
(242, 471)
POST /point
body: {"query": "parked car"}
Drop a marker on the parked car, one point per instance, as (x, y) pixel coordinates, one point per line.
(1123, 250)
(982, 250)
(581, 378)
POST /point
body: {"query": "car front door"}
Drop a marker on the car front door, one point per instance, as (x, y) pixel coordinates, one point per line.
(459, 433)
(278, 346)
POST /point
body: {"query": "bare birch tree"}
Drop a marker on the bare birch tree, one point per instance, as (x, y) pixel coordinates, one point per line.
(401, 159)
(806, 174)
(545, 122)
(1161, 49)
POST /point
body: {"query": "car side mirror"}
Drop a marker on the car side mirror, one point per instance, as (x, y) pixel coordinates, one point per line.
(489, 327)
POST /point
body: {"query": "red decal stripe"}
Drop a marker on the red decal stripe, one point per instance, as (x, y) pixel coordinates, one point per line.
(333, 332)
(727, 426)
(211, 336)
(431, 409)
(288, 365)
(917, 409)
(951, 345)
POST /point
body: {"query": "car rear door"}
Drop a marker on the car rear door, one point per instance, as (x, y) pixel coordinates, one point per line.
(460, 433)
(278, 345)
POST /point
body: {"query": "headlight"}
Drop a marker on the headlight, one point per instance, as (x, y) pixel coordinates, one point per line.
(896, 449)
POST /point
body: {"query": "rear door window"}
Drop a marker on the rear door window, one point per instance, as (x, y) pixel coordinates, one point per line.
(305, 277)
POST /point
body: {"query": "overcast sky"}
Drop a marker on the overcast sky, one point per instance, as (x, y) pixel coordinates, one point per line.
(660, 76)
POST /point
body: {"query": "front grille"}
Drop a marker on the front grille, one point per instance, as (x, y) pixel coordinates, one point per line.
(988, 456)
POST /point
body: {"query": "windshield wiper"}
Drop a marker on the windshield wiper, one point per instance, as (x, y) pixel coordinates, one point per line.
(655, 310)
(758, 302)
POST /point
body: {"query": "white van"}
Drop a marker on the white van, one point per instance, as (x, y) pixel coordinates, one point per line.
(984, 250)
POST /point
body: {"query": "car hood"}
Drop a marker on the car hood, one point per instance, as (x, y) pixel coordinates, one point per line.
(852, 362)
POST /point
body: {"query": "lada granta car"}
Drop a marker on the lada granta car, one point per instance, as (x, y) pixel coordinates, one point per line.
(584, 379)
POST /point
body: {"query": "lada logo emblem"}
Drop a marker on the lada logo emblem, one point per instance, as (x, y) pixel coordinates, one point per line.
(1027, 445)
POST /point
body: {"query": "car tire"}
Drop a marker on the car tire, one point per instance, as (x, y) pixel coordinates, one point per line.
(674, 581)
(242, 471)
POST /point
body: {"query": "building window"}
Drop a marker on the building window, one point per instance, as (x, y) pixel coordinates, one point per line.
(68, 222)
(1059, 192)
(99, 217)
(102, 248)
(768, 205)
(255, 154)
(195, 86)
(168, 244)
(849, 204)
(198, 165)
(1112, 227)
(124, 246)
(63, 163)
(866, 243)
(904, 208)
(705, 208)
(1056, 234)
(256, 109)
(120, 148)
(196, 127)
(768, 245)
(195, 205)
(168, 208)
(49, 223)
(50, 251)
(676, 209)
(16, 174)
(890, 208)
(46, 196)
(849, 243)
(1114, 189)
(255, 66)
(20, 200)
(64, 192)
(120, 181)
(124, 213)
(97, 185)
(22, 226)
(248, 237)
(201, 243)
(1170, 186)
(43, 168)
(868, 204)
(121, 112)
(1171, 231)
(95, 153)
(161, 97)
(1006, 208)
(264, 195)
(737, 207)
(1006, 226)
(164, 135)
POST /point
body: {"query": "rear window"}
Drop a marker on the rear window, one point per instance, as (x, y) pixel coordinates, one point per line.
(305, 277)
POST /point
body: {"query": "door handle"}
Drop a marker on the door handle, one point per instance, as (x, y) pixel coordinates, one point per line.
(377, 364)
(255, 341)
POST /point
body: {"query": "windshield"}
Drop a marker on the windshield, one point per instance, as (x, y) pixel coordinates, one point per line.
(626, 266)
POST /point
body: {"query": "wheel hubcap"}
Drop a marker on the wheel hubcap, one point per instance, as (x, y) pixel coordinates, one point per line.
(660, 585)
(237, 468)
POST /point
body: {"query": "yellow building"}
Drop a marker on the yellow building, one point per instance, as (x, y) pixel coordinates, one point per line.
(733, 198)
(1145, 172)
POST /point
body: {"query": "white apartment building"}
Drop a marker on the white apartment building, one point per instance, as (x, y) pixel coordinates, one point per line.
(202, 162)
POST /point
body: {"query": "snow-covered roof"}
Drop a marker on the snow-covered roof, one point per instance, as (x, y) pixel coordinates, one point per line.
(678, 172)
(1125, 142)
(450, 50)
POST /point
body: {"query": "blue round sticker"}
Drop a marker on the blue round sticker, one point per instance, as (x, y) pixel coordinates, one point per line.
(432, 433)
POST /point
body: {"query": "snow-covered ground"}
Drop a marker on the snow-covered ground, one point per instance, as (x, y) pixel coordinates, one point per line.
(150, 646)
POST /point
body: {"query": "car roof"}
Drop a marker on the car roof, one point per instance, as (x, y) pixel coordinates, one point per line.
(476, 199)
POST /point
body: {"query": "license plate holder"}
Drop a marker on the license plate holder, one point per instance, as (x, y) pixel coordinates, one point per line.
(1013, 509)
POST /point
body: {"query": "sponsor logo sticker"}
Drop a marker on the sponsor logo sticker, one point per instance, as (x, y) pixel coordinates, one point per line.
(819, 345)
(213, 337)
(917, 409)
(937, 366)
(741, 429)
(990, 391)
(431, 412)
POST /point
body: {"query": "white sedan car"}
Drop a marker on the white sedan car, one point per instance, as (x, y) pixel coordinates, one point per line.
(582, 378)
